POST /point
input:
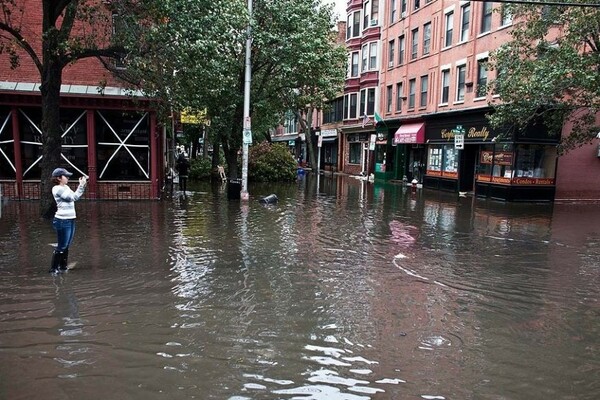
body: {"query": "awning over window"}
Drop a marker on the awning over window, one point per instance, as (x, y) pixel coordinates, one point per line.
(410, 133)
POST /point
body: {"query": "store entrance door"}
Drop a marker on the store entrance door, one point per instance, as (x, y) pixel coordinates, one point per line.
(468, 160)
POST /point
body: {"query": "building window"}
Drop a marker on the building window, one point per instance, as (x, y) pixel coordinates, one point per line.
(460, 82)
(486, 16)
(414, 44)
(399, 95)
(389, 98)
(123, 148)
(426, 37)
(417, 4)
(355, 156)
(393, 11)
(391, 49)
(366, 14)
(367, 101)
(365, 57)
(449, 28)
(354, 67)
(353, 25)
(481, 77)
(334, 111)
(465, 12)
(403, 7)
(424, 85)
(290, 123)
(505, 16)
(373, 56)
(401, 49)
(350, 109)
(412, 87)
(445, 86)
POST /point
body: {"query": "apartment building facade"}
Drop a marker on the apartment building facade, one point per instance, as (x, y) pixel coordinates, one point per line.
(107, 135)
(424, 62)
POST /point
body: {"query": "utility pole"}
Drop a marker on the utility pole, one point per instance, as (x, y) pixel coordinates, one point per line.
(247, 130)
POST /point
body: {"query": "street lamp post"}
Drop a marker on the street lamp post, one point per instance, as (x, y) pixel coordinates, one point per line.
(247, 129)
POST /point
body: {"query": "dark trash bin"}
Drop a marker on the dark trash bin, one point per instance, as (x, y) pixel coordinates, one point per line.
(270, 199)
(234, 189)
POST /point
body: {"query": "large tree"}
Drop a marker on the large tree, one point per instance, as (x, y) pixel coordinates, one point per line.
(295, 63)
(550, 70)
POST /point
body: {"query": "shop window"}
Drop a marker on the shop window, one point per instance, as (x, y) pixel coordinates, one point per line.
(442, 161)
(495, 163)
(450, 161)
(434, 159)
(123, 150)
(7, 148)
(536, 162)
(73, 136)
(355, 153)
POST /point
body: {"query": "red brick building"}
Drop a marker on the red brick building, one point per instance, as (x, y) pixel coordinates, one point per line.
(417, 69)
(115, 141)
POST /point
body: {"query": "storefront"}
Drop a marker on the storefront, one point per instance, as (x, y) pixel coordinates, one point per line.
(118, 148)
(329, 149)
(513, 167)
(409, 140)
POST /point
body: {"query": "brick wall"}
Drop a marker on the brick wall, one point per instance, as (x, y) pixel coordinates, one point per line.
(84, 72)
(104, 190)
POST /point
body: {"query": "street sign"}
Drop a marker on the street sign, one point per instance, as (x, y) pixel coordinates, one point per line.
(459, 141)
(320, 143)
(247, 136)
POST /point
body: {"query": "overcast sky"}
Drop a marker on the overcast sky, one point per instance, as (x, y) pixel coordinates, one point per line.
(340, 8)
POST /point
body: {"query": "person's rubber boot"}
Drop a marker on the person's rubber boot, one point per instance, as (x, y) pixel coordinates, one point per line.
(64, 260)
(55, 266)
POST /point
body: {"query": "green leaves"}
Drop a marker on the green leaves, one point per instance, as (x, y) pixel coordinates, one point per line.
(550, 71)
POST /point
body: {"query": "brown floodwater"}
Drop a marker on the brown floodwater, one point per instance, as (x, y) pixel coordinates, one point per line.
(341, 290)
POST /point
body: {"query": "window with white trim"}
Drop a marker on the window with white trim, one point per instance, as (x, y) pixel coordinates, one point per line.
(445, 86)
(401, 49)
(426, 38)
(486, 16)
(353, 25)
(449, 21)
(399, 95)
(424, 87)
(461, 72)
(412, 88)
(482, 72)
(465, 17)
(414, 48)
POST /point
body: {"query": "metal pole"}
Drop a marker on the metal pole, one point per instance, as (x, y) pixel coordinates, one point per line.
(247, 131)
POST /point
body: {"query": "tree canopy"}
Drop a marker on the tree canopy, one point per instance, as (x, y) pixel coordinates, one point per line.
(550, 70)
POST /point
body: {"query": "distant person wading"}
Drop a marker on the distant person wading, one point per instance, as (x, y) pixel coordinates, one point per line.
(64, 218)
(183, 168)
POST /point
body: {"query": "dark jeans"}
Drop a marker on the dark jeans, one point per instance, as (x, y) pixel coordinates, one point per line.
(65, 229)
(183, 182)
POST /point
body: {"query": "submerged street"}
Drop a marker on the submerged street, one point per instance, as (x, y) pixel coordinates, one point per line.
(341, 290)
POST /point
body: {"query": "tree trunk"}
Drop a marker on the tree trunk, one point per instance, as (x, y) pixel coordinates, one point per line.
(51, 133)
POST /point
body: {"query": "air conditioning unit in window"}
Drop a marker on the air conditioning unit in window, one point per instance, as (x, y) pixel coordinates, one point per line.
(373, 22)
(390, 64)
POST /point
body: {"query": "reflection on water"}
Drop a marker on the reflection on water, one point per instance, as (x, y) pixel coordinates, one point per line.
(348, 291)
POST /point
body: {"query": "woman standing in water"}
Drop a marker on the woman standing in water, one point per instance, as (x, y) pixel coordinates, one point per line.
(64, 218)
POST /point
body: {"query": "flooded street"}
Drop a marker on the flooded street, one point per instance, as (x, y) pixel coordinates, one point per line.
(345, 291)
